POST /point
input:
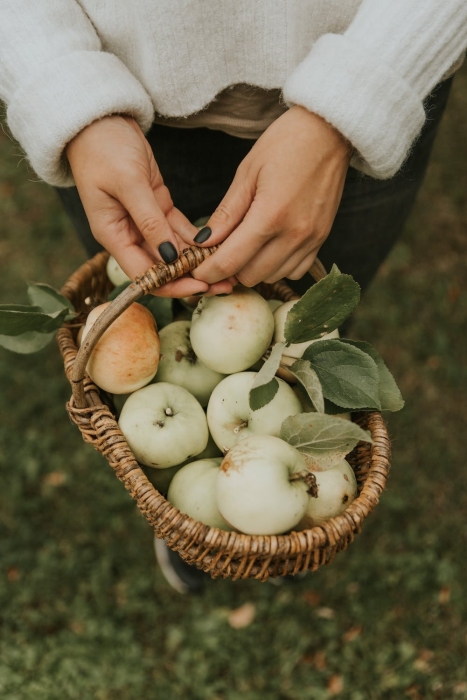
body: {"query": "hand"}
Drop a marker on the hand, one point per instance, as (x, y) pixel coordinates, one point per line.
(129, 208)
(280, 207)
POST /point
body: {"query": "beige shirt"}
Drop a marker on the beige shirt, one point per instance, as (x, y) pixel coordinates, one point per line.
(240, 110)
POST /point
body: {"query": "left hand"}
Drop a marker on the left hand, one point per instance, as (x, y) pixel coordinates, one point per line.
(281, 205)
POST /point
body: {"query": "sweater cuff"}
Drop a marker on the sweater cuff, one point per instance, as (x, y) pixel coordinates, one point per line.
(366, 101)
(66, 96)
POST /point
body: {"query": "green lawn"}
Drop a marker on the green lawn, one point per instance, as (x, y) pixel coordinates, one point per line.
(85, 612)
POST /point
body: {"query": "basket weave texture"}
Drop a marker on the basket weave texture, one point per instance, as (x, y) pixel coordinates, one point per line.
(222, 554)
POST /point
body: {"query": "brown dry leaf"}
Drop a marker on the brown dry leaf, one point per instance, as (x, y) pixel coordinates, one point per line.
(336, 685)
(242, 617)
(13, 574)
(319, 661)
(460, 688)
(444, 595)
(77, 627)
(312, 598)
(422, 662)
(325, 613)
(352, 633)
(413, 692)
(54, 478)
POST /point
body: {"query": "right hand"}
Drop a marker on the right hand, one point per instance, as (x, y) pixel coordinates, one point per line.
(129, 209)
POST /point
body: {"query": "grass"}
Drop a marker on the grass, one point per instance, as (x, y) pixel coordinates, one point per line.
(85, 612)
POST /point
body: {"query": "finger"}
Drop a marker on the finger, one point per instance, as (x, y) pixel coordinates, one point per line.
(293, 269)
(237, 250)
(140, 202)
(182, 287)
(229, 213)
(182, 226)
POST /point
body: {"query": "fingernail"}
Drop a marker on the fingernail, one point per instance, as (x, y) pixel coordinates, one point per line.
(168, 252)
(225, 294)
(199, 294)
(202, 235)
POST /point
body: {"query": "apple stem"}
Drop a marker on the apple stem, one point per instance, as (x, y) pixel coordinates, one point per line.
(309, 479)
(168, 411)
(240, 427)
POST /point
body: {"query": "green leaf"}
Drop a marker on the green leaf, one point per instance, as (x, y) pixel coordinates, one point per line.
(16, 320)
(389, 395)
(265, 385)
(160, 307)
(48, 298)
(302, 370)
(325, 440)
(349, 376)
(26, 343)
(322, 308)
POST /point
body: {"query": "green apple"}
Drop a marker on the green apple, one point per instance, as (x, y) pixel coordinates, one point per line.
(256, 492)
(231, 419)
(115, 272)
(193, 492)
(337, 488)
(230, 333)
(180, 365)
(164, 425)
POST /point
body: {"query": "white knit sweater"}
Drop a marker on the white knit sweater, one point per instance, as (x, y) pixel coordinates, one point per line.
(363, 65)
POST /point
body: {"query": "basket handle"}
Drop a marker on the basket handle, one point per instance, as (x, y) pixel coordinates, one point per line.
(157, 275)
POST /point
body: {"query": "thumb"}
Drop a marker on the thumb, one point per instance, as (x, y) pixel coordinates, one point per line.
(229, 214)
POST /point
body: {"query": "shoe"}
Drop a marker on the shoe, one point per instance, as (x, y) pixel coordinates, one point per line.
(182, 577)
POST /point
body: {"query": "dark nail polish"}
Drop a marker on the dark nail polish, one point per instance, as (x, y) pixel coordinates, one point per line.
(199, 294)
(202, 235)
(168, 252)
(225, 294)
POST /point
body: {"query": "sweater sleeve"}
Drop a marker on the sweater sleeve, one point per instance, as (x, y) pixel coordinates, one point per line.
(55, 79)
(370, 81)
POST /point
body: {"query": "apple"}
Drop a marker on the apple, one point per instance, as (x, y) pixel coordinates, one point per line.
(274, 304)
(193, 492)
(256, 491)
(337, 488)
(126, 357)
(229, 334)
(179, 364)
(115, 272)
(294, 351)
(231, 419)
(164, 425)
(162, 478)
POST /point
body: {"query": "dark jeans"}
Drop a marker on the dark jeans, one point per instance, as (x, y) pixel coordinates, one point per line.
(198, 166)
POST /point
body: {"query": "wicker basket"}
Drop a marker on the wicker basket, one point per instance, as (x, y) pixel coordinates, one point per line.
(221, 553)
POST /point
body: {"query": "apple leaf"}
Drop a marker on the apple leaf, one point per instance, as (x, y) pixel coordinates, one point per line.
(325, 440)
(48, 298)
(16, 319)
(322, 308)
(265, 385)
(349, 376)
(160, 307)
(389, 395)
(302, 370)
(26, 343)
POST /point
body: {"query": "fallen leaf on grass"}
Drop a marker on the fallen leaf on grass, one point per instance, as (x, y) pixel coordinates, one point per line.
(312, 598)
(242, 616)
(444, 595)
(336, 685)
(352, 633)
(54, 479)
(325, 613)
